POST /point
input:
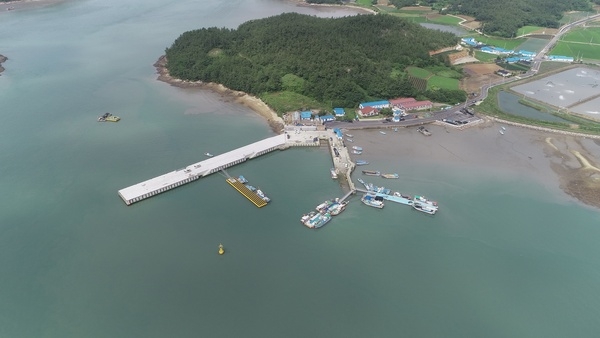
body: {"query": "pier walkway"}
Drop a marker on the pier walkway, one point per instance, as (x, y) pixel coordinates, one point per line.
(176, 178)
(294, 136)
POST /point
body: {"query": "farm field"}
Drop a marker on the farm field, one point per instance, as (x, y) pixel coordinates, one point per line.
(583, 35)
(419, 72)
(485, 57)
(574, 49)
(436, 82)
(528, 30)
(532, 45)
(500, 42)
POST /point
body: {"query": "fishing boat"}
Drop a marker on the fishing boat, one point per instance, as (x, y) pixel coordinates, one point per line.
(221, 249)
(361, 181)
(424, 200)
(318, 220)
(501, 132)
(209, 154)
(242, 179)
(396, 129)
(357, 152)
(371, 173)
(336, 208)
(361, 162)
(350, 135)
(357, 148)
(394, 175)
(108, 117)
(424, 208)
(349, 140)
(333, 173)
(306, 217)
(262, 195)
(503, 128)
(424, 131)
(324, 206)
(372, 200)
(382, 132)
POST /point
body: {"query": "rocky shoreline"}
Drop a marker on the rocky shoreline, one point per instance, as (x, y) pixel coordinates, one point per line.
(275, 122)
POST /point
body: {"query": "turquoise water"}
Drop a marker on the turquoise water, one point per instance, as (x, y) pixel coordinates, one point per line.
(504, 257)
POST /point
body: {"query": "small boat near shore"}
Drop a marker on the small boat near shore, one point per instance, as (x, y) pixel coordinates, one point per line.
(371, 173)
(209, 154)
(361, 162)
(357, 148)
(382, 132)
(394, 175)
(333, 173)
(349, 140)
(424, 131)
(350, 135)
(357, 152)
(501, 132)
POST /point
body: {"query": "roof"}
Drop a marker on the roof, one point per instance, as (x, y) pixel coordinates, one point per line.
(367, 110)
(339, 111)
(374, 103)
(327, 117)
(306, 114)
(417, 104)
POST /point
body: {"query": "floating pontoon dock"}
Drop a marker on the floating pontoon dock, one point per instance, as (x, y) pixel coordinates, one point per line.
(249, 194)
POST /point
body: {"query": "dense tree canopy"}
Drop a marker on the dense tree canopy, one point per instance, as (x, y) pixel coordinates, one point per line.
(342, 60)
(504, 18)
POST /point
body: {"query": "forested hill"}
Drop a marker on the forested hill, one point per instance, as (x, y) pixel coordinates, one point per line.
(342, 60)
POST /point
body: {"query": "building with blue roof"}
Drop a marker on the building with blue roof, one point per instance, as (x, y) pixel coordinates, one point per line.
(306, 115)
(512, 59)
(374, 104)
(327, 118)
(338, 133)
(526, 53)
(470, 41)
(339, 111)
(561, 58)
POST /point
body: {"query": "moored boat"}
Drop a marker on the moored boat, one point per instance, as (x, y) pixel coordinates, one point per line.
(350, 135)
(333, 173)
(371, 173)
(424, 200)
(424, 208)
(373, 200)
(108, 117)
(318, 220)
(209, 154)
(357, 152)
(242, 179)
(382, 132)
(306, 217)
(262, 195)
(336, 208)
(357, 148)
(350, 140)
(221, 249)
(361, 162)
(394, 175)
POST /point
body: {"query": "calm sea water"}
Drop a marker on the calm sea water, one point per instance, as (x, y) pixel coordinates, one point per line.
(503, 258)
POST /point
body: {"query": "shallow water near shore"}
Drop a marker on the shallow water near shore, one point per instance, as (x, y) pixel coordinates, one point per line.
(506, 256)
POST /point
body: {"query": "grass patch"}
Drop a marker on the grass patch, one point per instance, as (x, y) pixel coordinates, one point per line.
(440, 82)
(419, 72)
(397, 73)
(287, 101)
(583, 35)
(574, 49)
(364, 2)
(449, 73)
(528, 29)
(446, 20)
(485, 57)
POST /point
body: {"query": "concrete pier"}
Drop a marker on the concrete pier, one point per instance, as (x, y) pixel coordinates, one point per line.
(176, 178)
(294, 136)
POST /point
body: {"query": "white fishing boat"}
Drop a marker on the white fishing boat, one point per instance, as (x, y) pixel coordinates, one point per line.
(357, 148)
(501, 132)
(382, 132)
(209, 154)
(333, 173)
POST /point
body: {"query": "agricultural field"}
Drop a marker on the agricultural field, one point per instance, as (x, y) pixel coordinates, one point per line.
(444, 19)
(500, 42)
(364, 2)
(528, 30)
(436, 82)
(485, 57)
(434, 78)
(419, 72)
(583, 35)
(574, 49)
(532, 45)
(574, 16)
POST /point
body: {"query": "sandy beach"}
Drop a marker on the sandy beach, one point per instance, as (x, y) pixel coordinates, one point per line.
(558, 162)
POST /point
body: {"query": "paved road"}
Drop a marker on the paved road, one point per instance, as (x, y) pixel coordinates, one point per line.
(455, 111)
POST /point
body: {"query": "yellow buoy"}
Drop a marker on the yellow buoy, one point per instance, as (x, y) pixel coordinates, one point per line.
(221, 250)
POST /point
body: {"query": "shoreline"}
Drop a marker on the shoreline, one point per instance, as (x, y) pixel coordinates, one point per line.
(257, 105)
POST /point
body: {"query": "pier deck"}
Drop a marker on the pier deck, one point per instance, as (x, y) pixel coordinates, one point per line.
(176, 178)
(249, 194)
